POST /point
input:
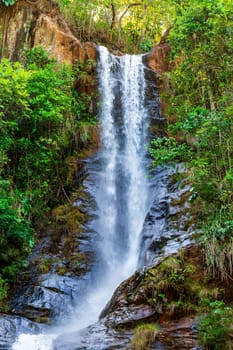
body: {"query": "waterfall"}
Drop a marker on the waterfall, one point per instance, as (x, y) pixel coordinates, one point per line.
(121, 186)
(122, 192)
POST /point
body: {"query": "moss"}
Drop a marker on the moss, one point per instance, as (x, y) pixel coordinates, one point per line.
(63, 240)
(45, 265)
(61, 270)
(43, 319)
(68, 216)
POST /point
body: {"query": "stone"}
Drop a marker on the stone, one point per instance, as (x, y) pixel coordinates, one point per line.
(179, 334)
(94, 337)
(157, 58)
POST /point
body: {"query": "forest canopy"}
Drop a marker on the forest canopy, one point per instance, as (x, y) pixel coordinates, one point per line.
(128, 25)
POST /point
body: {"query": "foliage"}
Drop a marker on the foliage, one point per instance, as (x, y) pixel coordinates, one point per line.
(4, 289)
(199, 99)
(215, 326)
(170, 286)
(16, 240)
(217, 243)
(123, 24)
(16, 235)
(200, 106)
(201, 43)
(166, 150)
(40, 117)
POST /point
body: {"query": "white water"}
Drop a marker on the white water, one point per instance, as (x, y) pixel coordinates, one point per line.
(121, 189)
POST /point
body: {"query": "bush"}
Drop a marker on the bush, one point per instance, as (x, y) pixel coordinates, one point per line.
(16, 236)
(215, 326)
(166, 150)
(217, 243)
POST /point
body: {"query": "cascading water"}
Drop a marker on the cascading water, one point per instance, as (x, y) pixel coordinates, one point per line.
(121, 188)
(122, 192)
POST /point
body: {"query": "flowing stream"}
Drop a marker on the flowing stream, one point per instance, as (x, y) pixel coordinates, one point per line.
(121, 188)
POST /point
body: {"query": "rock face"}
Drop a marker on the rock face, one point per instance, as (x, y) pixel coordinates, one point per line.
(60, 264)
(168, 224)
(157, 58)
(150, 296)
(29, 24)
(135, 302)
(49, 297)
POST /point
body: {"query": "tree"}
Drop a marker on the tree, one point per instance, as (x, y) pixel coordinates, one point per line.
(129, 25)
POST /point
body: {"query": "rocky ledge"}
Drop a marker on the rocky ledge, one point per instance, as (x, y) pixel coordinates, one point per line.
(149, 297)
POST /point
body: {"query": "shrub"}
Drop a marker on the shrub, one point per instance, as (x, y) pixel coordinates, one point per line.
(215, 326)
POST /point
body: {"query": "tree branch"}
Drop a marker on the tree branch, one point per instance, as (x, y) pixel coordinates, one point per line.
(126, 10)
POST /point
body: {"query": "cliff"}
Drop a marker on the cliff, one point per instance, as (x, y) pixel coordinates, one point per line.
(157, 58)
(29, 24)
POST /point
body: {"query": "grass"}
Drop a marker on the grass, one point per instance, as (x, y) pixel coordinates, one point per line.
(144, 336)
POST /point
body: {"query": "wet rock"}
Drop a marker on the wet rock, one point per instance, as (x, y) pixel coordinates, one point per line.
(60, 265)
(180, 334)
(158, 122)
(53, 296)
(130, 314)
(138, 298)
(165, 229)
(95, 337)
(173, 335)
(11, 326)
(119, 311)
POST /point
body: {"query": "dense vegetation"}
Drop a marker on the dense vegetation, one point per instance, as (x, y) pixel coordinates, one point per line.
(200, 107)
(41, 119)
(127, 25)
